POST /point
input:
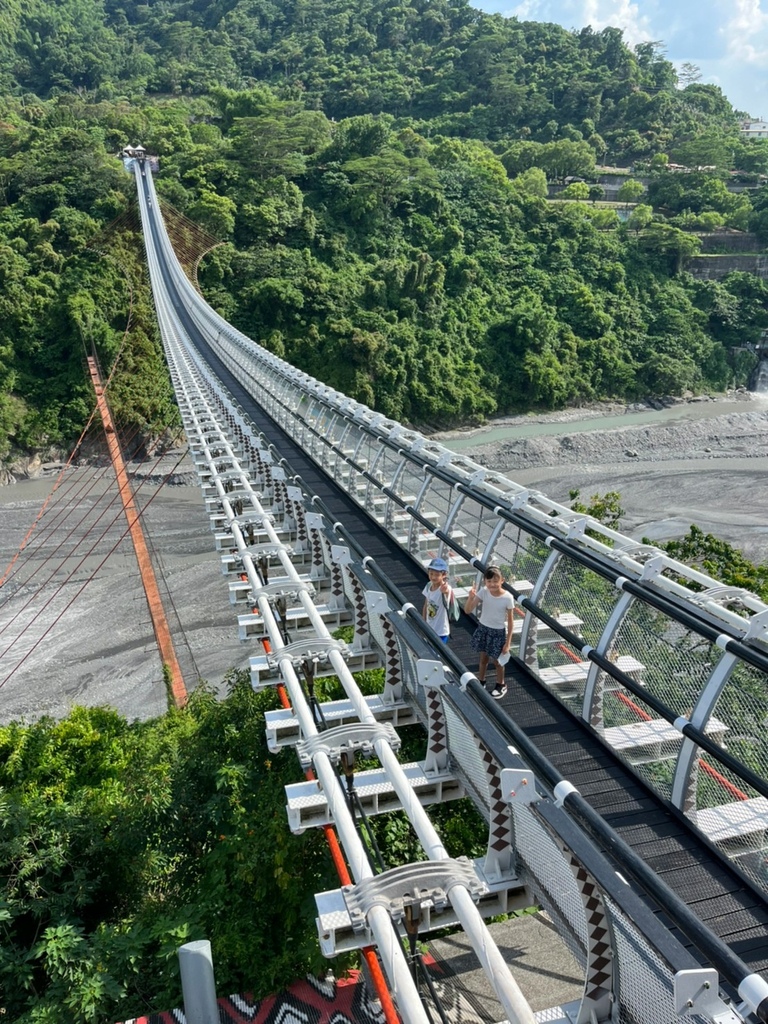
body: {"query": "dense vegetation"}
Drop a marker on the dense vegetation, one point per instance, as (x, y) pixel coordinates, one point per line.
(378, 173)
(104, 879)
(120, 842)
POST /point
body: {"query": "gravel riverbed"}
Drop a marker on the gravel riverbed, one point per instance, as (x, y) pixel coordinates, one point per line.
(67, 639)
(703, 467)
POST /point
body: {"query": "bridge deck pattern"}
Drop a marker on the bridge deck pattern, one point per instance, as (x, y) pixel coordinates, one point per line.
(727, 904)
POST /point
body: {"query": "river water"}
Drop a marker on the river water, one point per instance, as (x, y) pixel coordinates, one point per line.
(687, 470)
(521, 427)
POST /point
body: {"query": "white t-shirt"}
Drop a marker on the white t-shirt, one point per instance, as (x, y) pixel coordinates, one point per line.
(437, 610)
(493, 613)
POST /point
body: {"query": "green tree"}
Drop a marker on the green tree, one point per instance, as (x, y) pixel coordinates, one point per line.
(670, 242)
(606, 508)
(720, 560)
(689, 73)
(630, 191)
(576, 190)
(215, 213)
(533, 182)
(121, 841)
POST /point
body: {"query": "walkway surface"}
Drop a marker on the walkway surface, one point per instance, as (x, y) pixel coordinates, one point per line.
(542, 965)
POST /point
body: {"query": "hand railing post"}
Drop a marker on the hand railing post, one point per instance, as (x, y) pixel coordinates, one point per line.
(198, 986)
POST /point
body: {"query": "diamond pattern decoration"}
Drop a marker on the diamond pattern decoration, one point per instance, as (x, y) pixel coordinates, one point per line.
(600, 981)
(530, 654)
(438, 754)
(337, 586)
(597, 710)
(317, 548)
(362, 633)
(690, 803)
(393, 679)
(301, 524)
(500, 858)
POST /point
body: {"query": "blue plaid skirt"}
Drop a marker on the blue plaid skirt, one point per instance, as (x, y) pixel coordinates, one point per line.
(489, 640)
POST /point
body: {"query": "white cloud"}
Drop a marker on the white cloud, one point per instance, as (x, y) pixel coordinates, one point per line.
(745, 32)
(621, 13)
(599, 14)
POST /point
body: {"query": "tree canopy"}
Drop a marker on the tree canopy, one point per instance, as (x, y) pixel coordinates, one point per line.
(378, 174)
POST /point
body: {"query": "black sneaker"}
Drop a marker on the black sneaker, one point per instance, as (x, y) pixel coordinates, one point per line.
(497, 693)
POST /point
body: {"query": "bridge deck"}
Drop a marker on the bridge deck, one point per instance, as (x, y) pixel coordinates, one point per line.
(706, 882)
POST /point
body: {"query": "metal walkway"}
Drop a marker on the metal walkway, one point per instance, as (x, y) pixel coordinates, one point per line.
(639, 775)
(666, 841)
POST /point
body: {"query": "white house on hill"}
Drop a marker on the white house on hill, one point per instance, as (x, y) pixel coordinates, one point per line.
(754, 129)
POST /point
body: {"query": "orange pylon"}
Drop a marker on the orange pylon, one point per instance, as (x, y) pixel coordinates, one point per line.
(148, 578)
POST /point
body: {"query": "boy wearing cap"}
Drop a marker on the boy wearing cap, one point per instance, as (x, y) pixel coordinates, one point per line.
(438, 598)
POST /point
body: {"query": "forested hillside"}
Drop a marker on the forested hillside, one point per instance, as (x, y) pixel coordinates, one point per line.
(378, 174)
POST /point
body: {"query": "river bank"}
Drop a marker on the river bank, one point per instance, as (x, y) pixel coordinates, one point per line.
(700, 462)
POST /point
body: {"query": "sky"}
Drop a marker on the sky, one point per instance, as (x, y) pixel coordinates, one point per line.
(726, 39)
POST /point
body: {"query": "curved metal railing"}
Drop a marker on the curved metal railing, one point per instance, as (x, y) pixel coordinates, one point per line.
(665, 664)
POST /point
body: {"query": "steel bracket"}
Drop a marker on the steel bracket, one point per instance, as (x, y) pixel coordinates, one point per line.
(410, 885)
(430, 674)
(267, 549)
(314, 520)
(346, 739)
(316, 650)
(654, 567)
(757, 625)
(519, 499)
(518, 786)
(273, 591)
(696, 992)
(340, 554)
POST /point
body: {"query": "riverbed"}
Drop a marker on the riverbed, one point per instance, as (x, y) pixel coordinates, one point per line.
(701, 462)
(603, 418)
(74, 623)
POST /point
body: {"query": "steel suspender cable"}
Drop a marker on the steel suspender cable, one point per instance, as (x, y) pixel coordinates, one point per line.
(60, 509)
(114, 497)
(77, 594)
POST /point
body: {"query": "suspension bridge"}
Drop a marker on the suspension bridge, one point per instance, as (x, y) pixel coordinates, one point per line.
(623, 777)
